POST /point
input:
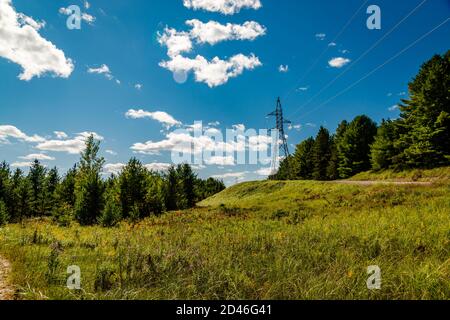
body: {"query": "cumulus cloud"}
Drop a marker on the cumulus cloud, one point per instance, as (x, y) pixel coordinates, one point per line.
(37, 156)
(8, 131)
(158, 167)
(21, 164)
(176, 41)
(221, 161)
(213, 32)
(226, 7)
(60, 134)
(103, 69)
(111, 152)
(338, 62)
(215, 72)
(21, 43)
(160, 116)
(71, 146)
(264, 172)
(138, 86)
(239, 176)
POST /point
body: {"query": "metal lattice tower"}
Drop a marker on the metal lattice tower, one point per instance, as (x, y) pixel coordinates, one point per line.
(282, 142)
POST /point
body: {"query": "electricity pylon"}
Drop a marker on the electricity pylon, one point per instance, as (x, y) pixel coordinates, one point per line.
(281, 144)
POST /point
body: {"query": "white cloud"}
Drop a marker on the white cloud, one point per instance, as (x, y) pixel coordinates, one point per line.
(87, 5)
(338, 62)
(227, 7)
(213, 32)
(160, 116)
(116, 168)
(8, 131)
(264, 172)
(303, 89)
(113, 168)
(176, 41)
(37, 156)
(19, 164)
(215, 72)
(111, 152)
(239, 127)
(394, 108)
(88, 18)
(103, 69)
(70, 146)
(60, 134)
(321, 36)
(231, 175)
(138, 86)
(21, 43)
(158, 167)
(332, 44)
(220, 161)
(283, 69)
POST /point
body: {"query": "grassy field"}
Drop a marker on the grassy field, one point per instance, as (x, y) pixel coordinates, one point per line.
(257, 240)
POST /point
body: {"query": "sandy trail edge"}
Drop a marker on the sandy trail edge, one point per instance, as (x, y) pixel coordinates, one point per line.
(6, 291)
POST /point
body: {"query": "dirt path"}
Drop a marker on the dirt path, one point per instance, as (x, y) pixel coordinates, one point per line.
(6, 291)
(370, 183)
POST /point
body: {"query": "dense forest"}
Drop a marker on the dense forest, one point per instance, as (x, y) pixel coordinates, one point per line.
(83, 195)
(419, 138)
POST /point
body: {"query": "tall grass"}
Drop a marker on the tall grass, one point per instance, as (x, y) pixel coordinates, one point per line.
(259, 240)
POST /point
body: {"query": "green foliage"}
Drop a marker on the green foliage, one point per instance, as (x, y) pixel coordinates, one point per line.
(354, 147)
(133, 182)
(254, 241)
(321, 154)
(89, 187)
(303, 162)
(4, 217)
(420, 138)
(111, 214)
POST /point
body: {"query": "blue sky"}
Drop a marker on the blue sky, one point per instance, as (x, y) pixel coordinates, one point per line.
(77, 95)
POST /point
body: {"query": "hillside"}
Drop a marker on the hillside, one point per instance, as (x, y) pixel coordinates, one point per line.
(256, 240)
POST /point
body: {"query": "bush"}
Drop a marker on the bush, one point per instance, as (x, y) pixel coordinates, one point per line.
(4, 217)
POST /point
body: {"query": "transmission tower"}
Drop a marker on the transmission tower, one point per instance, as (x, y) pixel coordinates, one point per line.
(281, 144)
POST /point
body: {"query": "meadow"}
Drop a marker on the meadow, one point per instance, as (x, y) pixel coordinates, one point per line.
(256, 240)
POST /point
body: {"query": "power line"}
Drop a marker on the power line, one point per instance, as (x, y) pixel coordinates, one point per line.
(378, 68)
(325, 51)
(360, 58)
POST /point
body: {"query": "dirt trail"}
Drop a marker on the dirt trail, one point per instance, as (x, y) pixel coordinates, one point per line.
(6, 291)
(398, 183)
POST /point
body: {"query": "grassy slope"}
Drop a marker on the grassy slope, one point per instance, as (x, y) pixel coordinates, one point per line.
(257, 240)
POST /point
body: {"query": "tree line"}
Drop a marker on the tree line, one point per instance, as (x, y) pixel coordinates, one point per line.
(82, 194)
(419, 138)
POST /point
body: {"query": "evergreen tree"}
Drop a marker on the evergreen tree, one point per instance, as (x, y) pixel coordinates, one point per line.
(66, 189)
(383, 150)
(321, 154)
(89, 187)
(333, 164)
(171, 189)
(133, 187)
(303, 162)
(187, 181)
(37, 178)
(354, 148)
(425, 117)
(154, 199)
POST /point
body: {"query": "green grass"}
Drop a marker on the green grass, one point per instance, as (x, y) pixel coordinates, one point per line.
(437, 174)
(257, 240)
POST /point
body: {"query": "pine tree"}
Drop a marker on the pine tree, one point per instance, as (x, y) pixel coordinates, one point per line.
(66, 189)
(38, 201)
(171, 189)
(354, 148)
(303, 162)
(425, 117)
(187, 180)
(383, 150)
(89, 187)
(333, 164)
(133, 187)
(321, 154)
